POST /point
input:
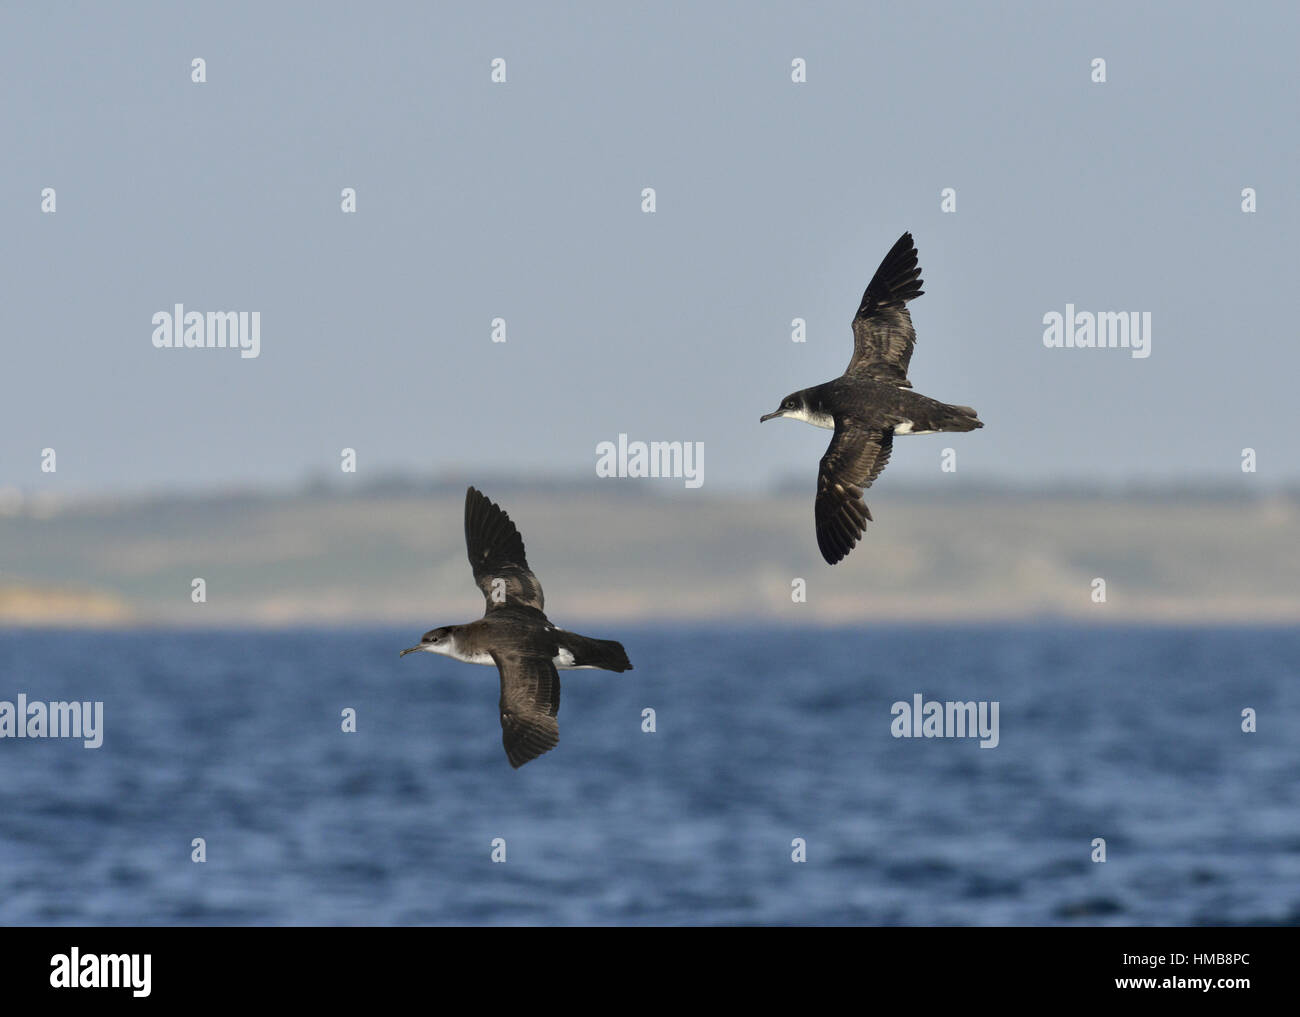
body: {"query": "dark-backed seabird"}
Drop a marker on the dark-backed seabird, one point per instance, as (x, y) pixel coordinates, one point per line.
(516, 636)
(870, 403)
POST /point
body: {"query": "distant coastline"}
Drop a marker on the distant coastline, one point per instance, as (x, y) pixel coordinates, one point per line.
(615, 551)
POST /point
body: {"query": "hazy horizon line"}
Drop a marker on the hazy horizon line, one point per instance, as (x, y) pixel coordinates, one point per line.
(403, 483)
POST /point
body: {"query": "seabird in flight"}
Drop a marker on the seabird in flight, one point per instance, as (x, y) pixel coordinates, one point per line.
(516, 636)
(870, 403)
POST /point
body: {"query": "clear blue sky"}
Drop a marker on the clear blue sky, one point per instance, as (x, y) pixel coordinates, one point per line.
(522, 201)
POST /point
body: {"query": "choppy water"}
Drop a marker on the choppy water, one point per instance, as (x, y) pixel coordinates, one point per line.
(762, 736)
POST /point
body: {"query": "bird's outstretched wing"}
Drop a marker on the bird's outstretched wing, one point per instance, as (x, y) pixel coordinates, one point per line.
(496, 554)
(854, 459)
(530, 700)
(883, 335)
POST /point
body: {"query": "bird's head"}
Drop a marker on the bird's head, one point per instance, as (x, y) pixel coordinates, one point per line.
(441, 640)
(793, 405)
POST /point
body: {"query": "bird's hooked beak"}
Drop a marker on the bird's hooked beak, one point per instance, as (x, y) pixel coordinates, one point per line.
(413, 649)
(769, 416)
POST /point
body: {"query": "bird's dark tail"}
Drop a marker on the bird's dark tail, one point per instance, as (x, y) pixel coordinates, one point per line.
(957, 418)
(607, 654)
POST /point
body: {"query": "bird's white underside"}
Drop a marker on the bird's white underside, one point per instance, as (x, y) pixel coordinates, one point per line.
(809, 417)
(563, 661)
(827, 421)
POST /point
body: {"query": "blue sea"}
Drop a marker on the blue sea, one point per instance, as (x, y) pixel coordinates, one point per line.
(765, 739)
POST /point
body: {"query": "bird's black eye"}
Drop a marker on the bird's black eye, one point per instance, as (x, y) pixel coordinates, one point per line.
(789, 404)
